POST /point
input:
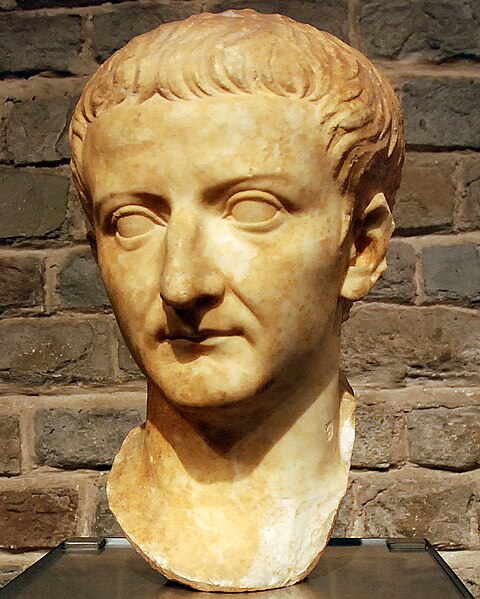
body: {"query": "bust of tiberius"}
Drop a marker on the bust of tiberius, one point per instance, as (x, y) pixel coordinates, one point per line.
(238, 171)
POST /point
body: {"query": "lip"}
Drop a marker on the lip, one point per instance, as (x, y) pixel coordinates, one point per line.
(202, 337)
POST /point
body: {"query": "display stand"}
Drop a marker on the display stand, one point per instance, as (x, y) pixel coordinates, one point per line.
(93, 568)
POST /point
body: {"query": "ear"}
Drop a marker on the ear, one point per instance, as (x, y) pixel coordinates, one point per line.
(371, 234)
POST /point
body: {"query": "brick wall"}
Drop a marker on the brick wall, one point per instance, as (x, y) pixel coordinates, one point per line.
(70, 391)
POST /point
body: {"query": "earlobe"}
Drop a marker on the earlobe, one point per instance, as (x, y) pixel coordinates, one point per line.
(371, 234)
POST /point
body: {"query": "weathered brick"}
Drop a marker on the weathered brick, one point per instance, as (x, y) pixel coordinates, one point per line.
(9, 444)
(37, 518)
(328, 15)
(56, 40)
(58, 351)
(397, 282)
(32, 4)
(114, 28)
(80, 284)
(82, 438)
(432, 30)
(414, 504)
(37, 129)
(385, 345)
(125, 360)
(376, 438)
(452, 272)
(21, 282)
(33, 202)
(426, 196)
(442, 112)
(471, 193)
(445, 438)
(344, 524)
(105, 523)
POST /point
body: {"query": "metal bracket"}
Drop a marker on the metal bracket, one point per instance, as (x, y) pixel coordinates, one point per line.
(82, 544)
(406, 545)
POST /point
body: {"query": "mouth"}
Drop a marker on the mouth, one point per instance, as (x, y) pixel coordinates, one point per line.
(203, 337)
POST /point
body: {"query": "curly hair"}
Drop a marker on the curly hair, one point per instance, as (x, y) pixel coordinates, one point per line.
(245, 52)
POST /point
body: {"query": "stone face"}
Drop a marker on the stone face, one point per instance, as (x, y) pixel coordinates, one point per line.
(37, 129)
(442, 112)
(21, 282)
(396, 346)
(32, 4)
(113, 29)
(105, 523)
(32, 203)
(10, 449)
(426, 196)
(376, 438)
(80, 284)
(452, 272)
(57, 40)
(54, 351)
(472, 193)
(328, 15)
(397, 282)
(78, 438)
(466, 564)
(8, 573)
(409, 504)
(445, 438)
(37, 518)
(432, 30)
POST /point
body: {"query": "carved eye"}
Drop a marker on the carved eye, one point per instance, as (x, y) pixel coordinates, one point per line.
(253, 208)
(134, 221)
(133, 225)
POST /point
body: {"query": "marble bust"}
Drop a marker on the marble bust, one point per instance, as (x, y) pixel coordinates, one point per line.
(238, 171)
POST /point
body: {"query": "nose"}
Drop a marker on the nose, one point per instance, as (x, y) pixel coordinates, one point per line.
(189, 277)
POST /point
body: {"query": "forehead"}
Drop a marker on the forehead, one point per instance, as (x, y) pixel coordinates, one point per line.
(207, 139)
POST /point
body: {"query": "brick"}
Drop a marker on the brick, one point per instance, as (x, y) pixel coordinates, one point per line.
(125, 361)
(21, 282)
(80, 284)
(414, 504)
(37, 129)
(427, 30)
(344, 524)
(113, 29)
(397, 282)
(32, 4)
(82, 438)
(57, 351)
(445, 438)
(385, 345)
(442, 112)
(471, 216)
(56, 39)
(8, 573)
(9, 445)
(37, 518)
(376, 438)
(452, 272)
(328, 15)
(105, 522)
(33, 202)
(426, 198)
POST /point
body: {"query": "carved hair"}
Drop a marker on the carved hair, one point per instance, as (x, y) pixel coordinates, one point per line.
(246, 52)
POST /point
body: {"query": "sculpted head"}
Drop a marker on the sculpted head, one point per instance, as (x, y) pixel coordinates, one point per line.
(238, 171)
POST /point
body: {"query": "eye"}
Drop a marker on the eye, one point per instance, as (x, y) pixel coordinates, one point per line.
(253, 208)
(134, 221)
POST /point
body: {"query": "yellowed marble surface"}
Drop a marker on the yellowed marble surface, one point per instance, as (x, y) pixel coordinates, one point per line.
(238, 171)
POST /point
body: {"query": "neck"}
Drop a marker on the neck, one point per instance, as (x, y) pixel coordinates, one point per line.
(239, 499)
